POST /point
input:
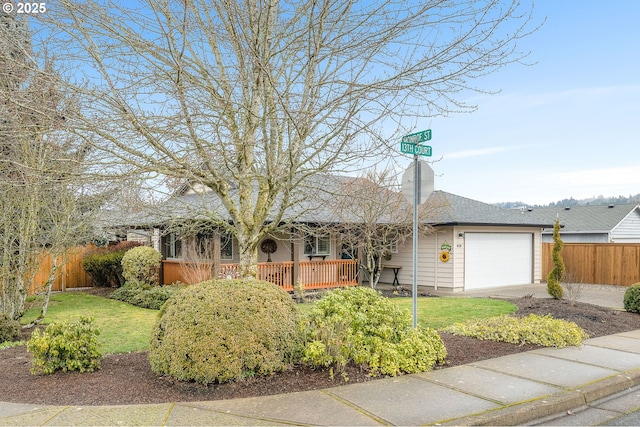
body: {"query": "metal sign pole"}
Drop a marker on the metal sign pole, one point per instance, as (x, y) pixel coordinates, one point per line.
(416, 203)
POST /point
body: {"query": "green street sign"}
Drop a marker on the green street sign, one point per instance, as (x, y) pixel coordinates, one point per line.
(415, 138)
(421, 150)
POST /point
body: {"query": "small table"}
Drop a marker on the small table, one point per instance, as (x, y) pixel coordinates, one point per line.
(395, 269)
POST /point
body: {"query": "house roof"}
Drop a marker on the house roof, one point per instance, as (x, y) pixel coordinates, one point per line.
(586, 219)
(457, 210)
(313, 205)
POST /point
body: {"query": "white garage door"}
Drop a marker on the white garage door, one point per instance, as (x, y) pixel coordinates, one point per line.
(497, 259)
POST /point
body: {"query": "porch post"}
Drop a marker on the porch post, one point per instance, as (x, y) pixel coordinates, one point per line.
(359, 263)
(295, 257)
(215, 262)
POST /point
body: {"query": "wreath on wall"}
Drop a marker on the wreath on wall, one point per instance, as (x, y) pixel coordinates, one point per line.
(268, 246)
(445, 256)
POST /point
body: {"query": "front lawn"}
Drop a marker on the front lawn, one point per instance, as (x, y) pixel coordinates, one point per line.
(440, 312)
(123, 327)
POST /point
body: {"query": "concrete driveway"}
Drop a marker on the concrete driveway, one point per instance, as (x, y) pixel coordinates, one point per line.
(602, 295)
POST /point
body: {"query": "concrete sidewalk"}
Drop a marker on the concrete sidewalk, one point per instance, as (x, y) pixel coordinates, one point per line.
(510, 390)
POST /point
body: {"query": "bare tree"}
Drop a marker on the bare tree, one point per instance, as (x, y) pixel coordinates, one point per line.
(39, 209)
(373, 218)
(248, 99)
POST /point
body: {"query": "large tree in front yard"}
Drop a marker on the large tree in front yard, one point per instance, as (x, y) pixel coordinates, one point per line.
(250, 98)
(39, 181)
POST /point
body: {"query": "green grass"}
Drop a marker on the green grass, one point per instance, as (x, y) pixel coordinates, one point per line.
(440, 312)
(123, 327)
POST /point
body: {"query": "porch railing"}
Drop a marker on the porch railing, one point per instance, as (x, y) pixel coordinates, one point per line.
(312, 274)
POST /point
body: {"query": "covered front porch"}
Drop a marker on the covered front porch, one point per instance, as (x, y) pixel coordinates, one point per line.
(310, 275)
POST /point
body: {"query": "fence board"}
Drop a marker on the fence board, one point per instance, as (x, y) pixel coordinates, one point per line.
(71, 274)
(598, 263)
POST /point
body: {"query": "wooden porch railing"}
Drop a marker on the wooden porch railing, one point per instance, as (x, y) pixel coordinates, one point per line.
(328, 274)
(312, 274)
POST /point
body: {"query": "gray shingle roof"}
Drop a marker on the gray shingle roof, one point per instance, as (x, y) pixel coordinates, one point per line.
(458, 210)
(591, 218)
(312, 206)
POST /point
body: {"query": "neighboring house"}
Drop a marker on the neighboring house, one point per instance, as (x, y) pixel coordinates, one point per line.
(592, 223)
(473, 244)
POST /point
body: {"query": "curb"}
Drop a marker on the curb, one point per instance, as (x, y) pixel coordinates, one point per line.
(556, 404)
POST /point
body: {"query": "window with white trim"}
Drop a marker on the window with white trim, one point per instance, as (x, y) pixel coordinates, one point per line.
(173, 246)
(317, 245)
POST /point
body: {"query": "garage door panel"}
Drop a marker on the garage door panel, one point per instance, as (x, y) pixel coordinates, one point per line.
(498, 259)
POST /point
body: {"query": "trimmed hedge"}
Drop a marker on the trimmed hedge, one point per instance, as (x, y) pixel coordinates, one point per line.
(9, 329)
(65, 346)
(104, 265)
(144, 295)
(224, 330)
(533, 329)
(359, 325)
(632, 298)
(142, 264)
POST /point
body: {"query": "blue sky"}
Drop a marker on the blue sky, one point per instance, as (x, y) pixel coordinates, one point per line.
(567, 126)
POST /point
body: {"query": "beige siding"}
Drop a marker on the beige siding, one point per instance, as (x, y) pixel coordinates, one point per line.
(282, 253)
(449, 276)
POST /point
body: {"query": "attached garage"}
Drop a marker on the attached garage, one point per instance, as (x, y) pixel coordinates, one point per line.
(472, 245)
(497, 259)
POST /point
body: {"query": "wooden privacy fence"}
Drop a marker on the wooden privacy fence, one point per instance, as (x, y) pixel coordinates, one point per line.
(597, 263)
(70, 275)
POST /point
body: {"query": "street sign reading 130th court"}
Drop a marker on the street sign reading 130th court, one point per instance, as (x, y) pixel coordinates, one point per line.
(422, 150)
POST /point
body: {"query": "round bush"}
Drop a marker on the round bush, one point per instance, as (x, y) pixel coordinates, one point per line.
(9, 329)
(141, 264)
(222, 330)
(359, 325)
(632, 298)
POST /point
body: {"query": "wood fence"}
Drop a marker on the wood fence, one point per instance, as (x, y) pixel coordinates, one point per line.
(70, 275)
(597, 263)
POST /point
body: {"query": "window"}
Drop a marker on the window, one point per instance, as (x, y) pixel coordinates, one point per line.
(393, 247)
(317, 245)
(226, 245)
(173, 246)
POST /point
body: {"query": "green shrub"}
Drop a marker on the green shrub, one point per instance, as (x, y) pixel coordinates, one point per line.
(557, 272)
(554, 288)
(104, 265)
(144, 295)
(359, 325)
(141, 264)
(65, 346)
(632, 298)
(222, 330)
(533, 329)
(9, 329)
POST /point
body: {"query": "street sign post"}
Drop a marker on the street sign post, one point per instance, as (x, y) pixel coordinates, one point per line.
(414, 178)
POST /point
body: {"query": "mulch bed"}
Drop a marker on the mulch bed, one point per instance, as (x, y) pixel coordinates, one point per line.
(128, 379)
